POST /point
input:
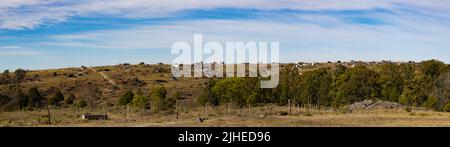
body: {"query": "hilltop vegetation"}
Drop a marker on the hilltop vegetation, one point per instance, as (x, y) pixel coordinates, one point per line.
(425, 84)
(93, 87)
(144, 86)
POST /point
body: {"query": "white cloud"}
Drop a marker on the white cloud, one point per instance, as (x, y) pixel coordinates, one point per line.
(299, 41)
(28, 14)
(10, 47)
(19, 53)
(13, 51)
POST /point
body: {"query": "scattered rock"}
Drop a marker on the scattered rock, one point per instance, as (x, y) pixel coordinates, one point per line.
(161, 81)
(372, 105)
(283, 113)
(133, 82)
(71, 76)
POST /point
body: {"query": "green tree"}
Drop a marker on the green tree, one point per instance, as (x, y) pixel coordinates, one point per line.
(80, 104)
(5, 78)
(231, 90)
(208, 96)
(126, 98)
(69, 100)
(4, 99)
(315, 87)
(391, 81)
(447, 107)
(171, 101)
(19, 75)
(433, 68)
(35, 98)
(441, 93)
(22, 99)
(158, 98)
(288, 87)
(355, 85)
(416, 91)
(140, 100)
(56, 99)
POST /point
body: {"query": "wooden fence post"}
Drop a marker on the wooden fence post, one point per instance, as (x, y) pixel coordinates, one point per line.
(249, 107)
(128, 117)
(48, 115)
(289, 103)
(206, 109)
(176, 107)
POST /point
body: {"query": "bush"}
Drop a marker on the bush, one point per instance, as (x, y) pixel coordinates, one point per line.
(139, 100)
(35, 98)
(447, 108)
(231, 90)
(81, 104)
(432, 68)
(126, 98)
(357, 84)
(158, 96)
(19, 75)
(56, 99)
(431, 102)
(69, 100)
(408, 109)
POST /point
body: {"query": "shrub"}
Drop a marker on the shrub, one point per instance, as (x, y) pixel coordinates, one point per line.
(355, 85)
(69, 100)
(81, 104)
(447, 107)
(35, 98)
(19, 75)
(158, 97)
(431, 102)
(56, 99)
(126, 98)
(139, 100)
(408, 109)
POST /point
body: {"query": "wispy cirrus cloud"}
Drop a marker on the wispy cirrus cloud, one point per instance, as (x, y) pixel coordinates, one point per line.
(300, 41)
(99, 32)
(14, 51)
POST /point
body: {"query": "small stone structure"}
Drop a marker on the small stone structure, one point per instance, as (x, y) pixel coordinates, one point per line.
(89, 116)
(372, 105)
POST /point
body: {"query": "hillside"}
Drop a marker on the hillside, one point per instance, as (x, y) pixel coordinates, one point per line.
(109, 82)
(148, 95)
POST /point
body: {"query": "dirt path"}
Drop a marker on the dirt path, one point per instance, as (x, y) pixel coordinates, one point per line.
(103, 75)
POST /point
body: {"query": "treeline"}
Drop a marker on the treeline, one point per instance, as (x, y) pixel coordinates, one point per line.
(426, 84)
(157, 99)
(19, 76)
(34, 99)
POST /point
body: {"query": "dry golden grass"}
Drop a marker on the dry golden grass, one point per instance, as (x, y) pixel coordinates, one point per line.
(221, 116)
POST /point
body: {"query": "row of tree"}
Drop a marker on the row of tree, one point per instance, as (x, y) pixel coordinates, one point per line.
(18, 76)
(426, 84)
(33, 99)
(157, 99)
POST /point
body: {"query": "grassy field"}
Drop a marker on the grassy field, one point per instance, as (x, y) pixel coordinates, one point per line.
(159, 75)
(275, 116)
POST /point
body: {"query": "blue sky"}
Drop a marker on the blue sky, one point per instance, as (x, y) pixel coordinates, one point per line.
(42, 34)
